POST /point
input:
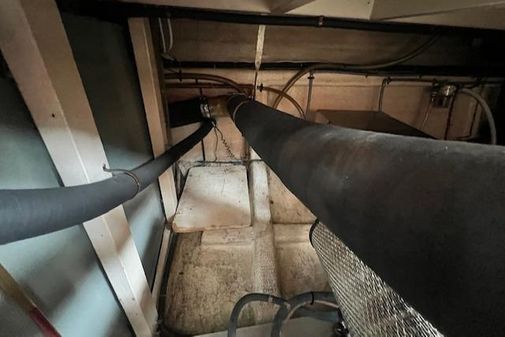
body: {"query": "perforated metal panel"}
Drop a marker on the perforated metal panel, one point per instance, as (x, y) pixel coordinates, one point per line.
(369, 306)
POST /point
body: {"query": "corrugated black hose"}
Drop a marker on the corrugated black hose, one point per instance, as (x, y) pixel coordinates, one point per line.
(31, 212)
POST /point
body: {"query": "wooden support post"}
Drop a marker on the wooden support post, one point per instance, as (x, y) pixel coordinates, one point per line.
(148, 74)
(35, 46)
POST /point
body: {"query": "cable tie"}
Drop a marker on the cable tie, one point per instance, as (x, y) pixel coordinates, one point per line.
(128, 173)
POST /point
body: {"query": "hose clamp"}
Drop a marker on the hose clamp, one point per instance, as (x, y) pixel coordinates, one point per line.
(128, 173)
(234, 112)
(204, 107)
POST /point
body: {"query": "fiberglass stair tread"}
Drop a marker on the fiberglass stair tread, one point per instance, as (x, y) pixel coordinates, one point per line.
(214, 197)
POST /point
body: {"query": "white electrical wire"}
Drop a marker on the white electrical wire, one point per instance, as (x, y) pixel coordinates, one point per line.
(162, 34)
(170, 35)
(166, 49)
(487, 111)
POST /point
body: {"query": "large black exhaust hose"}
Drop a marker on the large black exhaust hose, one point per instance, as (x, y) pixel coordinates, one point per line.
(427, 216)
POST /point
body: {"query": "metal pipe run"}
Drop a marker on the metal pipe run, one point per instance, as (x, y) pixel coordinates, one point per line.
(32, 212)
(370, 66)
(207, 77)
(249, 87)
(427, 216)
(116, 9)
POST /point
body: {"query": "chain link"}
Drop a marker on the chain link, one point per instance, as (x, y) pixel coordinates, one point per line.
(225, 144)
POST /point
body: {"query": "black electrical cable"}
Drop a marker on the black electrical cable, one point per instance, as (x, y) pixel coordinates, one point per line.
(31, 212)
(381, 95)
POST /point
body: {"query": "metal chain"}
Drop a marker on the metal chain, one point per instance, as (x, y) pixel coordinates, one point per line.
(225, 144)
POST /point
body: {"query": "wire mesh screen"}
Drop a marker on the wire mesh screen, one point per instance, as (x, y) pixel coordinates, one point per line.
(369, 306)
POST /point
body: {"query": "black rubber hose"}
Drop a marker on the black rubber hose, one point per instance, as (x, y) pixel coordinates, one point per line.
(427, 216)
(248, 298)
(32, 212)
(295, 303)
(329, 316)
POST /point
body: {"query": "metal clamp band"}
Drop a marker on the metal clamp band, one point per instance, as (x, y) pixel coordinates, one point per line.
(234, 112)
(128, 173)
(236, 109)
